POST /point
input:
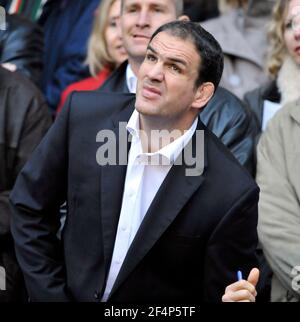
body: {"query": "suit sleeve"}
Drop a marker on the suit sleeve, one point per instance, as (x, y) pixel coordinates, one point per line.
(36, 122)
(279, 212)
(232, 246)
(39, 191)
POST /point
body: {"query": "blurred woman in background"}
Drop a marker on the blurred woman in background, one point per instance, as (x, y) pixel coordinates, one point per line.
(278, 155)
(283, 65)
(105, 49)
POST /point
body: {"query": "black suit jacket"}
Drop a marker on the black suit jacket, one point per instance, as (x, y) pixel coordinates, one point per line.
(225, 115)
(198, 231)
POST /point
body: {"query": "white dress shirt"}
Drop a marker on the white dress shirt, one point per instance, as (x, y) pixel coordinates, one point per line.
(131, 79)
(142, 182)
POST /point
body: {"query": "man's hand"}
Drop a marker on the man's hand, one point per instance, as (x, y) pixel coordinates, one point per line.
(242, 291)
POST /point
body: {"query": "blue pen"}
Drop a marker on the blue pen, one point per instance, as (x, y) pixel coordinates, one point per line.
(239, 275)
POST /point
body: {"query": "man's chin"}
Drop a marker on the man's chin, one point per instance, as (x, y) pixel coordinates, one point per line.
(138, 51)
(145, 108)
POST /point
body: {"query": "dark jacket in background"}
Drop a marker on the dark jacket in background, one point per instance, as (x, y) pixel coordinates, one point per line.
(24, 119)
(22, 44)
(4, 3)
(225, 115)
(67, 26)
(255, 99)
(200, 10)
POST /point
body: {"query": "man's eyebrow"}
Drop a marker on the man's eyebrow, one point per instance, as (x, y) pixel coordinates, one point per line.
(173, 59)
(152, 49)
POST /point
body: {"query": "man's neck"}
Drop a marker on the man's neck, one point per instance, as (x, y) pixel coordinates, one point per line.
(153, 128)
(135, 65)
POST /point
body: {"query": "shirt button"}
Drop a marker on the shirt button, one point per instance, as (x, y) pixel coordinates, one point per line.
(124, 228)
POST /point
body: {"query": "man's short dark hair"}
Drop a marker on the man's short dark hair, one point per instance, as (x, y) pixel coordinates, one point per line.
(210, 52)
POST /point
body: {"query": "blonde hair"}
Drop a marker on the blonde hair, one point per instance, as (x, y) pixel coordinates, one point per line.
(97, 52)
(276, 36)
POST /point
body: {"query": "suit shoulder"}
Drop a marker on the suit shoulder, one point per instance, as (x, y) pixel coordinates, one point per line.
(22, 89)
(98, 104)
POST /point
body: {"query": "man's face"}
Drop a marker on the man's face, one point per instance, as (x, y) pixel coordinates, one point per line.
(166, 80)
(139, 20)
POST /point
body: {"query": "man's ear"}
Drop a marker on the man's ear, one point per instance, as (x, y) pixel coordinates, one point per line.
(183, 18)
(203, 94)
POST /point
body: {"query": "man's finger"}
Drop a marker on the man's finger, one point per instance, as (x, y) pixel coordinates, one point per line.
(240, 285)
(253, 276)
(238, 296)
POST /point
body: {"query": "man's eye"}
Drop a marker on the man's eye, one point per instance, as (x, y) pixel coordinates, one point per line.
(158, 9)
(175, 68)
(131, 9)
(150, 57)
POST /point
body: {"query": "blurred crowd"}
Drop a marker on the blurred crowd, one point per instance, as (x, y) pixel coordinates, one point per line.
(52, 48)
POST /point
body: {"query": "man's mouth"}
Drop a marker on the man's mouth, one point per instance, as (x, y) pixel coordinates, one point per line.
(141, 36)
(150, 91)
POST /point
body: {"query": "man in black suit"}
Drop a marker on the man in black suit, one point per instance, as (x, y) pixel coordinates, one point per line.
(140, 231)
(24, 120)
(226, 116)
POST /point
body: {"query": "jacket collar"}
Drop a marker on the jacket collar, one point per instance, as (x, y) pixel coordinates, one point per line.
(117, 81)
(295, 110)
(288, 81)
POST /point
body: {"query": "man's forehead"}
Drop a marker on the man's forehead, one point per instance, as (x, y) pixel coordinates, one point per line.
(168, 3)
(168, 46)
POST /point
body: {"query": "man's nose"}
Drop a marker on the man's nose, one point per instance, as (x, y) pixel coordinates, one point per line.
(143, 19)
(156, 73)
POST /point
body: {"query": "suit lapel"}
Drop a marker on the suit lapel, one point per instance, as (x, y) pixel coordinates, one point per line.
(116, 82)
(113, 176)
(173, 195)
